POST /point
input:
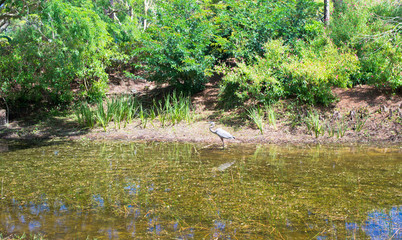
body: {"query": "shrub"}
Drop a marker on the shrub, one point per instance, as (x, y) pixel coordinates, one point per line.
(382, 63)
(177, 44)
(310, 77)
(348, 22)
(257, 82)
(244, 26)
(372, 28)
(50, 50)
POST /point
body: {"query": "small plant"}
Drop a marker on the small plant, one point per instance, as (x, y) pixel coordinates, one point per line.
(174, 108)
(143, 117)
(314, 124)
(257, 116)
(342, 128)
(360, 122)
(85, 115)
(330, 129)
(271, 116)
(101, 115)
(132, 109)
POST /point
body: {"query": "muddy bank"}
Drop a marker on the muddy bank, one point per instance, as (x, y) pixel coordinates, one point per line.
(363, 114)
(376, 130)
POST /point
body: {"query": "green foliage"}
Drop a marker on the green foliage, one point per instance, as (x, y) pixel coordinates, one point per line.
(177, 45)
(382, 63)
(307, 75)
(258, 81)
(373, 28)
(257, 116)
(85, 116)
(311, 76)
(280, 48)
(314, 124)
(101, 116)
(271, 116)
(349, 21)
(244, 26)
(117, 109)
(342, 127)
(175, 108)
(52, 48)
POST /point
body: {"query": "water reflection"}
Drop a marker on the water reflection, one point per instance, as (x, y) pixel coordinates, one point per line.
(379, 224)
(132, 190)
(384, 224)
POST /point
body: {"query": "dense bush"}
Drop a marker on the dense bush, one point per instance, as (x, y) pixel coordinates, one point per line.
(244, 26)
(308, 76)
(311, 76)
(373, 28)
(259, 81)
(58, 43)
(176, 45)
(50, 50)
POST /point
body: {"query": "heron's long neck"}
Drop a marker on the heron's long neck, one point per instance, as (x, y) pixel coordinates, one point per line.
(210, 129)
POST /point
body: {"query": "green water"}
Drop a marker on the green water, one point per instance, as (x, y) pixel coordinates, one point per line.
(122, 190)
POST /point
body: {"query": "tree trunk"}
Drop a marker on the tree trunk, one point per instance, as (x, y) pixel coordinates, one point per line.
(326, 12)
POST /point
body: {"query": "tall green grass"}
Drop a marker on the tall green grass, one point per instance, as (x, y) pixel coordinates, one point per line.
(101, 116)
(271, 116)
(117, 109)
(257, 116)
(172, 109)
(314, 123)
(85, 115)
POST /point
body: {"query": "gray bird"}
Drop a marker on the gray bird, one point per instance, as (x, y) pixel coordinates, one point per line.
(221, 133)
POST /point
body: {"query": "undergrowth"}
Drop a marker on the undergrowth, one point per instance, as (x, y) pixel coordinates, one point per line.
(170, 110)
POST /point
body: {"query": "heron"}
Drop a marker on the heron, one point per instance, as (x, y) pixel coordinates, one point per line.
(221, 133)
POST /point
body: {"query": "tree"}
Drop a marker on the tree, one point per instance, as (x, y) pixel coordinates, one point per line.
(176, 45)
(51, 49)
(14, 9)
(326, 12)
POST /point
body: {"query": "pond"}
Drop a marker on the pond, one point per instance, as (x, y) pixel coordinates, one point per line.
(124, 190)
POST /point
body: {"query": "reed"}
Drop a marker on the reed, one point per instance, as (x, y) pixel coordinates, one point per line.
(85, 116)
(143, 116)
(257, 116)
(360, 122)
(314, 124)
(271, 116)
(342, 128)
(101, 115)
(330, 129)
(132, 109)
(174, 108)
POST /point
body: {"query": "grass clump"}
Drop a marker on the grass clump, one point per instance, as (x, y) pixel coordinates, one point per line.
(314, 123)
(118, 110)
(271, 116)
(257, 116)
(85, 115)
(171, 109)
(174, 108)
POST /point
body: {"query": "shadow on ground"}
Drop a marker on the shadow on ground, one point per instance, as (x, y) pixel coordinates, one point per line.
(38, 132)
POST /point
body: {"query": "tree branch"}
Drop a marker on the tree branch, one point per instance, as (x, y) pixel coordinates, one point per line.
(9, 16)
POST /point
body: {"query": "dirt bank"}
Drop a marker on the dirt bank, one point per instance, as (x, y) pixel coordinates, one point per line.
(380, 111)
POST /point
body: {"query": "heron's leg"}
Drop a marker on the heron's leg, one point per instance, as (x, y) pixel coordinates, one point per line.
(223, 143)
